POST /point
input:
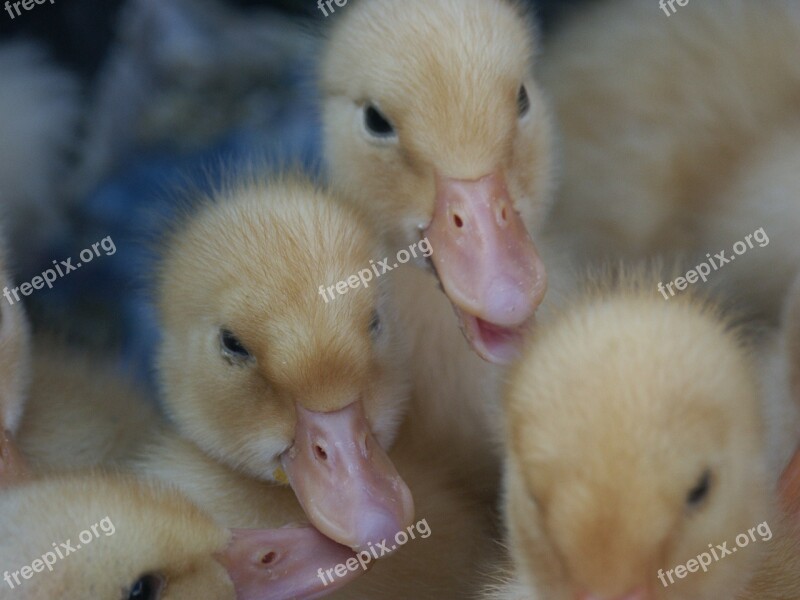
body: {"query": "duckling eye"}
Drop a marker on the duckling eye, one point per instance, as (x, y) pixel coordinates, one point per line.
(376, 123)
(523, 101)
(147, 587)
(375, 324)
(232, 348)
(699, 492)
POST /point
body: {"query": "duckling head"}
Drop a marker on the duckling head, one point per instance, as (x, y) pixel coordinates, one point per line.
(433, 118)
(273, 378)
(14, 378)
(635, 444)
(117, 537)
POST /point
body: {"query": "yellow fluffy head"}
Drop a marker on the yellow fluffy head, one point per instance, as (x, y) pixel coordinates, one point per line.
(101, 534)
(634, 442)
(447, 76)
(247, 334)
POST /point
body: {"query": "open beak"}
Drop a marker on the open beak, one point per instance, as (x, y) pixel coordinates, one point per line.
(13, 467)
(344, 480)
(487, 263)
(282, 564)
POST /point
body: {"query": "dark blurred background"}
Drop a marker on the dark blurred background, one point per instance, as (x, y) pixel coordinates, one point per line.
(79, 32)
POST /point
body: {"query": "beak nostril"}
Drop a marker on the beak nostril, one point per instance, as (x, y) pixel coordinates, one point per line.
(459, 222)
(268, 558)
(319, 451)
(504, 214)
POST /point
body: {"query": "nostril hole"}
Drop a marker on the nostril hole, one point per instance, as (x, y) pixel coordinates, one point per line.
(459, 222)
(268, 558)
(503, 213)
(320, 452)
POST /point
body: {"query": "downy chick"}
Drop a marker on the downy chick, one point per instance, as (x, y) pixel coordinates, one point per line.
(274, 379)
(679, 136)
(434, 122)
(122, 538)
(635, 439)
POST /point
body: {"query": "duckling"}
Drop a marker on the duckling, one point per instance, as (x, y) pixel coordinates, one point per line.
(635, 439)
(267, 382)
(757, 202)
(433, 120)
(39, 104)
(275, 376)
(14, 378)
(121, 537)
(689, 156)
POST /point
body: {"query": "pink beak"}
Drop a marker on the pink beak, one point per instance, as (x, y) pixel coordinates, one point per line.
(13, 467)
(285, 563)
(344, 480)
(487, 263)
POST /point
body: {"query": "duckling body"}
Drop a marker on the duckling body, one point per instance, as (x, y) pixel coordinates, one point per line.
(696, 147)
(657, 449)
(81, 411)
(121, 537)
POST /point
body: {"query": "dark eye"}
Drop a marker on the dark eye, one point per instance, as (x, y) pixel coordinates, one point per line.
(232, 348)
(699, 492)
(375, 324)
(523, 101)
(376, 123)
(148, 587)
